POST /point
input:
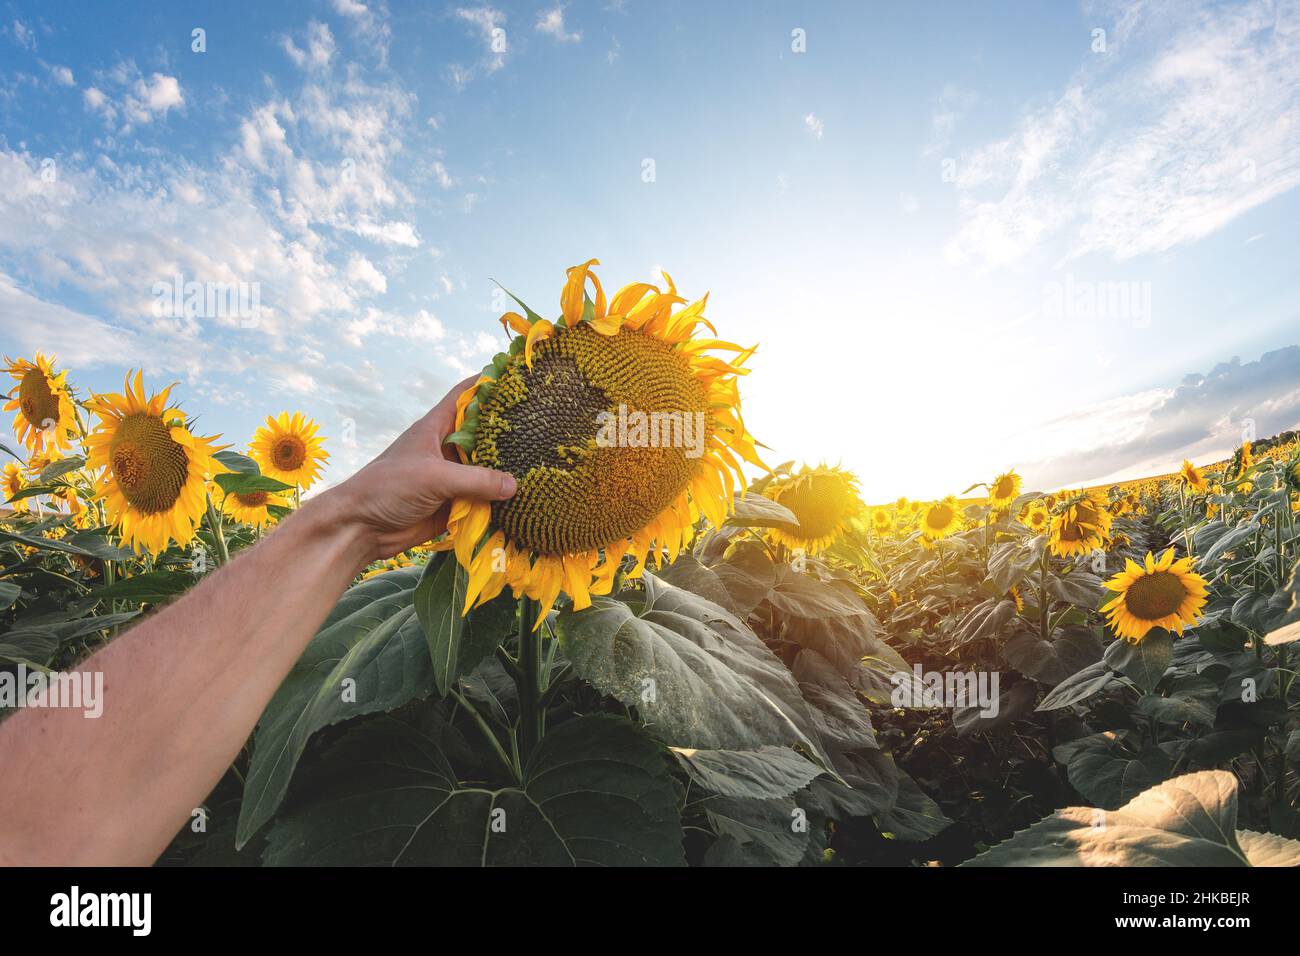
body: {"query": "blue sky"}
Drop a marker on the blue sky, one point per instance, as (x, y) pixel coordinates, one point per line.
(909, 206)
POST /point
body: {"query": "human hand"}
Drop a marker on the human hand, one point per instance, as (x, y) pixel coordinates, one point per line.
(402, 497)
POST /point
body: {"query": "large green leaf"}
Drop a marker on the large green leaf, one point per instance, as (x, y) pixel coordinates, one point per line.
(696, 675)
(762, 832)
(371, 639)
(1103, 771)
(457, 644)
(1188, 821)
(761, 774)
(151, 587)
(597, 791)
(914, 815)
(755, 511)
(1078, 686)
(1053, 661)
(1143, 662)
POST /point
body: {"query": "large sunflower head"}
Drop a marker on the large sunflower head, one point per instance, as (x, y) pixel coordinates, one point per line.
(1036, 518)
(824, 499)
(1004, 490)
(941, 518)
(252, 508)
(44, 418)
(1164, 593)
(620, 430)
(12, 482)
(153, 468)
(288, 449)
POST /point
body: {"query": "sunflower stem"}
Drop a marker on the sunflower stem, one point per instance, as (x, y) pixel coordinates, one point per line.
(529, 682)
(218, 538)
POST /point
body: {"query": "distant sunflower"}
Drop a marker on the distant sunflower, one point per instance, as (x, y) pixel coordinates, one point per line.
(1080, 527)
(252, 507)
(82, 516)
(940, 519)
(620, 429)
(824, 499)
(1165, 593)
(46, 418)
(1004, 490)
(1192, 478)
(12, 482)
(154, 469)
(1036, 518)
(914, 508)
(881, 521)
(288, 449)
(900, 505)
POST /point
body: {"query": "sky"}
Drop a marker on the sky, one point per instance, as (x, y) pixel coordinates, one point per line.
(965, 237)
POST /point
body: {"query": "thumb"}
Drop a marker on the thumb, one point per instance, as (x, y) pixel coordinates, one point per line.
(454, 480)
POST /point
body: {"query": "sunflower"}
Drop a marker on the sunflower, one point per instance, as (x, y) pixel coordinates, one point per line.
(12, 482)
(1192, 478)
(620, 430)
(397, 561)
(1165, 593)
(1081, 526)
(940, 519)
(1036, 518)
(153, 468)
(252, 507)
(288, 450)
(82, 517)
(881, 521)
(900, 505)
(1004, 490)
(825, 500)
(46, 418)
(1014, 594)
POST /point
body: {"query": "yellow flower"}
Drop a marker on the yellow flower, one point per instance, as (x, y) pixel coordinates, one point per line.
(12, 481)
(1192, 478)
(1004, 490)
(392, 564)
(46, 418)
(1035, 517)
(252, 507)
(825, 500)
(1165, 593)
(941, 519)
(1015, 596)
(82, 517)
(154, 470)
(287, 449)
(1082, 526)
(621, 431)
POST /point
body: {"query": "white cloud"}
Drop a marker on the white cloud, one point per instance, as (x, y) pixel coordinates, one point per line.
(814, 125)
(23, 35)
(551, 22)
(31, 323)
(1189, 121)
(125, 93)
(362, 272)
(318, 51)
(489, 23)
(62, 75)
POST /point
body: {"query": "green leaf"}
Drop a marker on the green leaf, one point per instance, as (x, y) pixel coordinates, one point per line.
(372, 638)
(1188, 821)
(151, 587)
(1053, 661)
(914, 816)
(1192, 699)
(695, 673)
(456, 644)
(762, 774)
(243, 483)
(597, 791)
(1108, 775)
(1144, 662)
(755, 511)
(86, 543)
(1078, 686)
(238, 463)
(60, 468)
(688, 574)
(9, 593)
(761, 832)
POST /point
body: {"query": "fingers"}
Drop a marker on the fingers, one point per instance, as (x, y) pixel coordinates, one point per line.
(452, 480)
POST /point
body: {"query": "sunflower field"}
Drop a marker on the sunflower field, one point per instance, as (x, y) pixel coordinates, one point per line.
(668, 653)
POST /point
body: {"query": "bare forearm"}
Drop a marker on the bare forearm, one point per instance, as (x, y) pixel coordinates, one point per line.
(182, 691)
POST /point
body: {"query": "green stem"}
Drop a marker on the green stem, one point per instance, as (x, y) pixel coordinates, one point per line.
(488, 735)
(214, 525)
(529, 682)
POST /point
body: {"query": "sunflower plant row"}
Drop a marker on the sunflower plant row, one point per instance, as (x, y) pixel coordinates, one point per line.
(653, 656)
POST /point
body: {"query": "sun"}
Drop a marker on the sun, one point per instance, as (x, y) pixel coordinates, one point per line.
(1162, 594)
(541, 411)
(287, 449)
(45, 418)
(824, 500)
(153, 469)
